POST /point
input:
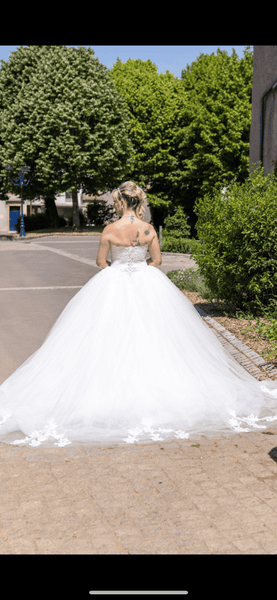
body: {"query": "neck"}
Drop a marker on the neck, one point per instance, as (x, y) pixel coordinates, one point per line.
(129, 215)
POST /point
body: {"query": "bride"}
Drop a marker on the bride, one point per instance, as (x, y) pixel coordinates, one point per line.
(129, 359)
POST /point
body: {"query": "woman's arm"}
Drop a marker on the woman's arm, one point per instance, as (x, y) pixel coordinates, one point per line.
(108, 264)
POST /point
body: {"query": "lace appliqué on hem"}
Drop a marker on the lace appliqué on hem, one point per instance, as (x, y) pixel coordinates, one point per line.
(49, 431)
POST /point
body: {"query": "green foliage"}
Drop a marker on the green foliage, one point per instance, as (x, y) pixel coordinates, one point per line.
(98, 212)
(153, 103)
(177, 225)
(180, 245)
(268, 331)
(212, 144)
(239, 233)
(78, 125)
(190, 136)
(176, 233)
(61, 115)
(190, 280)
(37, 222)
(175, 244)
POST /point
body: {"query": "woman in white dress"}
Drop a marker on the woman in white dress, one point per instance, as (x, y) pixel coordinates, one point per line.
(129, 359)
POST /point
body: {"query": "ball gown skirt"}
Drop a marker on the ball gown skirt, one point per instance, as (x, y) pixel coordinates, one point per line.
(130, 360)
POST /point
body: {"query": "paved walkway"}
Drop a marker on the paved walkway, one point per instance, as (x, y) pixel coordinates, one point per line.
(216, 496)
(197, 496)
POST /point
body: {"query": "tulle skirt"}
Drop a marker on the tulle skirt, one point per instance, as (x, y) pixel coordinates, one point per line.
(130, 360)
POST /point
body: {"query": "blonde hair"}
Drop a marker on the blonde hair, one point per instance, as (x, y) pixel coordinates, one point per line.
(133, 195)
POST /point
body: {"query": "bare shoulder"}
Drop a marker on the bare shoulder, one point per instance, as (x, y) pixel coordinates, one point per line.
(150, 230)
(107, 229)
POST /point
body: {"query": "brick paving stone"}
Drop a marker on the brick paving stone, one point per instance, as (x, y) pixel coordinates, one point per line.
(266, 494)
(212, 537)
(22, 546)
(219, 545)
(98, 501)
(226, 549)
(272, 503)
(248, 545)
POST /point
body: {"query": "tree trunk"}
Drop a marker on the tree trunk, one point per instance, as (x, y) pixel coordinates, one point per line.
(51, 210)
(76, 218)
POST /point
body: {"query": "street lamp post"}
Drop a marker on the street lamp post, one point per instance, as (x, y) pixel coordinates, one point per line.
(20, 181)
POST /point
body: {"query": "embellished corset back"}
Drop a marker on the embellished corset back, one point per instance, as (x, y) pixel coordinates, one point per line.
(129, 259)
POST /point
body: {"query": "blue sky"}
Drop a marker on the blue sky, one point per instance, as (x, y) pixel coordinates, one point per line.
(171, 58)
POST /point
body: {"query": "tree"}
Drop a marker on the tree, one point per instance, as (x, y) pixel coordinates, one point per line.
(153, 102)
(212, 144)
(62, 116)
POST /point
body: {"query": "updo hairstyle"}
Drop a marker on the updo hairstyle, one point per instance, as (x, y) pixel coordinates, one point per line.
(133, 195)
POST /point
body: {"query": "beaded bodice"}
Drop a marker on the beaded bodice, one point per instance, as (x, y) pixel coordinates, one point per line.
(129, 259)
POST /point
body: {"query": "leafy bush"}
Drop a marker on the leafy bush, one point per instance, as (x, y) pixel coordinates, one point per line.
(190, 280)
(37, 222)
(239, 230)
(177, 225)
(173, 244)
(98, 212)
(268, 332)
(179, 245)
(33, 222)
(176, 232)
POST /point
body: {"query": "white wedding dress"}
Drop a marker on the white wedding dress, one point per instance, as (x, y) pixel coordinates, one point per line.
(130, 360)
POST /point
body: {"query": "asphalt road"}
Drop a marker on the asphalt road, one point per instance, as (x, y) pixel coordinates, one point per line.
(37, 279)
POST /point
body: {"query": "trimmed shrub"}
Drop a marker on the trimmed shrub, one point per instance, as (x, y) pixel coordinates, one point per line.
(37, 222)
(176, 232)
(33, 222)
(176, 225)
(173, 244)
(239, 231)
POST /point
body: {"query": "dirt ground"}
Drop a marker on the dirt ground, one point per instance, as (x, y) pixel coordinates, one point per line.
(253, 340)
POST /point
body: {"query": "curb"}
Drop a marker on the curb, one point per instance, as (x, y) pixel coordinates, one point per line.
(250, 360)
(179, 255)
(39, 235)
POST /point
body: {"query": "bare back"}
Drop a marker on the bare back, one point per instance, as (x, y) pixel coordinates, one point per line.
(138, 233)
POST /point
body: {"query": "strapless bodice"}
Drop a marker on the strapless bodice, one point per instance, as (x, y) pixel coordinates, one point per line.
(129, 259)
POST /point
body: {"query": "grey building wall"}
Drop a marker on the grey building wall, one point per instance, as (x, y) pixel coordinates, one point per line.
(263, 132)
(3, 216)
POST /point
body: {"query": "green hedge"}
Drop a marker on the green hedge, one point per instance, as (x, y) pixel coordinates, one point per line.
(179, 245)
(37, 222)
(176, 233)
(239, 231)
